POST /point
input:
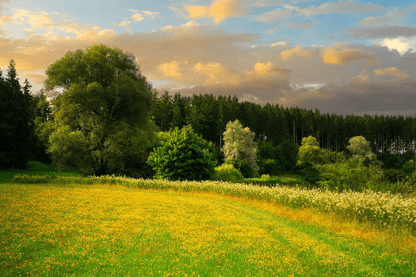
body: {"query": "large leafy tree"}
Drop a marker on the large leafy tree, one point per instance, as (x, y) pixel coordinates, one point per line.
(183, 155)
(310, 153)
(102, 118)
(239, 146)
(360, 149)
(16, 121)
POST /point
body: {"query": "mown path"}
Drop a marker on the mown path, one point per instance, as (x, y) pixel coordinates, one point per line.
(52, 230)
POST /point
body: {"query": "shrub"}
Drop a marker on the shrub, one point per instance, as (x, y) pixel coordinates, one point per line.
(394, 175)
(25, 179)
(38, 166)
(228, 173)
(265, 176)
(351, 175)
(409, 167)
(183, 156)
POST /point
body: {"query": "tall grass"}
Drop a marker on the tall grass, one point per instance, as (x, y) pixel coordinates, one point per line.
(384, 210)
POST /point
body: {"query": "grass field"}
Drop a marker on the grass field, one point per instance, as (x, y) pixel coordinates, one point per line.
(97, 230)
(6, 176)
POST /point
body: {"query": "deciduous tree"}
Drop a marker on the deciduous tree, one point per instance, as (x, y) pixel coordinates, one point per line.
(239, 145)
(105, 104)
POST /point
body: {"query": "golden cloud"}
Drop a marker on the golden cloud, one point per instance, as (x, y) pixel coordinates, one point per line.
(4, 19)
(170, 69)
(297, 51)
(137, 17)
(219, 10)
(331, 55)
(215, 71)
(393, 71)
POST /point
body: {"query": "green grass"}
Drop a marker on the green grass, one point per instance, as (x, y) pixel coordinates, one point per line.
(6, 176)
(78, 230)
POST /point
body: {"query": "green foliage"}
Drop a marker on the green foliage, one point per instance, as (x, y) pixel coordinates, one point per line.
(239, 147)
(409, 167)
(310, 153)
(270, 159)
(71, 150)
(17, 136)
(350, 175)
(28, 179)
(269, 166)
(394, 175)
(38, 166)
(290, 152)
(265, 176)
(227, 173)
(360, 149)
(184, 156)
(243, 167)
(101, 122)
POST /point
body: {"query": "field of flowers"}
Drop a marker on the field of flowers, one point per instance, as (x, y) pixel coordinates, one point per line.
(384, 210)
(67, 229)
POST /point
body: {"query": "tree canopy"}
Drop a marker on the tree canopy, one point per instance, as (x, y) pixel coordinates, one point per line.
(105, 104)
(183, 155)
(239, 145)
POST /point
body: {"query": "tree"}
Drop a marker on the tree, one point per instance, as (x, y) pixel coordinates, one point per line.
(183, 156)
(360, 149)
(16, 121)
(310, 153)
(105, 106)
(239, 146)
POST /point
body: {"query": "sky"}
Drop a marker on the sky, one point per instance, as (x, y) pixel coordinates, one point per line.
(342, 57)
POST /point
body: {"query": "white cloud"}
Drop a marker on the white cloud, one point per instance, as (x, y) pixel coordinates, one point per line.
(402, 45)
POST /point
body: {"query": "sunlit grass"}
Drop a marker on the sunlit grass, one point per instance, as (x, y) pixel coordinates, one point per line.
(384, 210)
(75, 230)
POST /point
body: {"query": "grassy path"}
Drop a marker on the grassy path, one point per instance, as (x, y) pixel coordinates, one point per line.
(48, 230)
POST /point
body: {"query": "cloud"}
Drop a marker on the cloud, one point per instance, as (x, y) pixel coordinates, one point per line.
(219, 10)
(400, 44)
(272, 31)
(280, 43)
(392, 17)
(35, 20)
(149, 14)
(274, 15)
(215, 71)
(4, 19)
(187, 26)
(343, 7)
(170, 69)
(137, 17)
(297, 51)
(302, 25)
(378, 32)
(392, 71)
(336, 56)
(124, 23)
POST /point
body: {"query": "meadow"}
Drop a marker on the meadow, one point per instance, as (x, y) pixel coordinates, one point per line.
(104, 226)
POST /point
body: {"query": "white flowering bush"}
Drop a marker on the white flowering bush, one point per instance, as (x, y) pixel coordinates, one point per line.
(385, 210)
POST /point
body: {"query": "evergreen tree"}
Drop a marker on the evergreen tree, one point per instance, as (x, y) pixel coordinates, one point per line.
(16, 128)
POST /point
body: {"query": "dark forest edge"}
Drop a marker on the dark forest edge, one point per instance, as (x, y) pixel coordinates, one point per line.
(34, 130)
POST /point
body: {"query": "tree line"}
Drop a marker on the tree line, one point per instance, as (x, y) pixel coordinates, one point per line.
(108, 118)
(208, 115)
